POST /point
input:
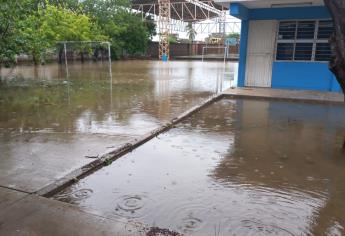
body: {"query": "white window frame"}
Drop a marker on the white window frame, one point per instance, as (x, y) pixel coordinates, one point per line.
(315, 40)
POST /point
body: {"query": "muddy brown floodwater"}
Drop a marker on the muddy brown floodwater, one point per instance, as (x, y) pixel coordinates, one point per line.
(237, 167)
(50, 124)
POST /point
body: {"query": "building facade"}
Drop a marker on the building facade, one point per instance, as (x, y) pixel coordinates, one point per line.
(284, 44)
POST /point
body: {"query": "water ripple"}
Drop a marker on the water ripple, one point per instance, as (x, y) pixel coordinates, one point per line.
(75, 196)
(131, 206)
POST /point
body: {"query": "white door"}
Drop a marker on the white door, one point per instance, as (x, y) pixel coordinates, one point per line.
(260, 51)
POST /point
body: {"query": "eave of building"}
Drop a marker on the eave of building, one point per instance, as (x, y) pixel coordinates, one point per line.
(277, 9)
(254, 4)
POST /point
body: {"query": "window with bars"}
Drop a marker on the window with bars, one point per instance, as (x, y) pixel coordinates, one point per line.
(304, 40)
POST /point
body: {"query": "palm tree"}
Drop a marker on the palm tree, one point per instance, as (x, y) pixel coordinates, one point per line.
(191, 33)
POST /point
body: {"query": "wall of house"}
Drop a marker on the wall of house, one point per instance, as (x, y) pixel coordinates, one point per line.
(289, 75)
(303, 75)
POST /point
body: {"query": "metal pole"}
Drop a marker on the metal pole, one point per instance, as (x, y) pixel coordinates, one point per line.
(111, 77)
(109, 56)
(67, 73)
(182, 4)
(224, 54)
(66, 65)
(224, 66)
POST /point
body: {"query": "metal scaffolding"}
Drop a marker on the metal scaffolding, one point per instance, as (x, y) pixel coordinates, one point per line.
(175, 15)
(183, 10)
(209, 27)
(164, 28)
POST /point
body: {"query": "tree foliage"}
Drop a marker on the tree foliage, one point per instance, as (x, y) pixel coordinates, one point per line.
(234, 35)
(50, 24)
(172, 39)
(127, 32)
(35, 26)
(11, 14)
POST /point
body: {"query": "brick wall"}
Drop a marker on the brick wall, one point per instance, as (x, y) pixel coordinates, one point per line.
(186, 49)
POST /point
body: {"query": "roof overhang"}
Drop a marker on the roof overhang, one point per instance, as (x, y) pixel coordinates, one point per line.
(254, 4)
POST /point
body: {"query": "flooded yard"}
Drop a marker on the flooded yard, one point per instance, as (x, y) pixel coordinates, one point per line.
(51, 123)
(237, 167)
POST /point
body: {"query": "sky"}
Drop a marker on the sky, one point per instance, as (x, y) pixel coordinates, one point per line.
(232, 25)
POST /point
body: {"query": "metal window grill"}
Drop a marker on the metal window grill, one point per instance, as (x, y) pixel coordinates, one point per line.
(304, 40)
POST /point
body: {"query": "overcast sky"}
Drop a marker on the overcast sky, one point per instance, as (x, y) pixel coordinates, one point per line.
(214, 29)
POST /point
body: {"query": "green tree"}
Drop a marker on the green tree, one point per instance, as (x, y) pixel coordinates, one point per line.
(127, 32)
(191, 33)
(151, 26)
(34, 39)
(11, 14)
(35, 26)
(172, 39)
(234, 35)
(72, 5)
(43, 29)
(134, 33)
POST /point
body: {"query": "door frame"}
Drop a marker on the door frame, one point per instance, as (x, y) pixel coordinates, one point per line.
(251, 54)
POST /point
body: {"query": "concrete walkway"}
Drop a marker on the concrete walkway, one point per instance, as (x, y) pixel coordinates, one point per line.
(28, 214)
(298, 95)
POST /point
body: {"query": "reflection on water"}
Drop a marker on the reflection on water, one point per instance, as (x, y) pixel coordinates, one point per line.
(238, 167)
(36, 98)
(52, 117)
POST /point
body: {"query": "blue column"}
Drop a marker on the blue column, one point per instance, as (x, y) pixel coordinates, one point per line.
(243, 53)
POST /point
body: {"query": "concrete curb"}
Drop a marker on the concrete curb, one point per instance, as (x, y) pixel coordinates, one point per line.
(283, 98)
(109, 157)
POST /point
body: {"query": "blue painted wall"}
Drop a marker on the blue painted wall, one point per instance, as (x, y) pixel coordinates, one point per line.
(243, 53)
(286, 13)
(239, 11)
(289, 13)
(303, 75)
(289, 75)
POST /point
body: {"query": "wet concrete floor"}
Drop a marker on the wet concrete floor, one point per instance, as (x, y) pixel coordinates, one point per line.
(285, 94)
(51, 123)
(237, 167)
(31, 215)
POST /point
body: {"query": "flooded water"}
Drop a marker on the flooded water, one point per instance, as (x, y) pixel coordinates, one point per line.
(237, 167)
(50, 123)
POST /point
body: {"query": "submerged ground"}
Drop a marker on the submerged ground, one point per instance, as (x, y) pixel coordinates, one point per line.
(51, 123)
(237, 167)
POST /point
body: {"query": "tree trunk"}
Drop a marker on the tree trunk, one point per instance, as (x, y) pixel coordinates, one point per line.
(95, 54)
(35, 58)
(337, 63)
(60, 55)
(82, 57)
